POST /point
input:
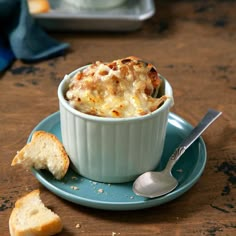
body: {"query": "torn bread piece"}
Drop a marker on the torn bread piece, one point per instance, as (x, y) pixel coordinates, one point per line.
(38, 6)
(31, 217)
(44, 151)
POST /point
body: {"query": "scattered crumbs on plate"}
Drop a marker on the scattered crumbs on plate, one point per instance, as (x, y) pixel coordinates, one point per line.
(130, 197)
(74, 178)
(114, 233)
(109, 185)
(179, 170)
(94, 183)
(77, 226)
(100, 190)
(74, 187)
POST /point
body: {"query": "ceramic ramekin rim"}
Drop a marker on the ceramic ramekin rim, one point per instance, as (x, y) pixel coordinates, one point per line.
(65, 82)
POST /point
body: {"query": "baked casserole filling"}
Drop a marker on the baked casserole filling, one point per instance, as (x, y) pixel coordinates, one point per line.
(121, 88)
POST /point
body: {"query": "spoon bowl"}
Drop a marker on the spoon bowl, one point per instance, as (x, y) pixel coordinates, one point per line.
(154, 184)
(146, 184)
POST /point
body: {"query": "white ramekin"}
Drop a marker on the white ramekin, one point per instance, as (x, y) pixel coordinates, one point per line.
(112, 150)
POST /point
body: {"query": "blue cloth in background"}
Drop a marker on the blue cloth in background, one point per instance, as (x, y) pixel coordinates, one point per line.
(6, 55)
(22, 38)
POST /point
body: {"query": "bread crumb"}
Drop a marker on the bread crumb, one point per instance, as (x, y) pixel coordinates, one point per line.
(131, 197)
(114, 234)
(179, 170)
(74, 178)
(100, 190)
(77, 226)
(74, 187)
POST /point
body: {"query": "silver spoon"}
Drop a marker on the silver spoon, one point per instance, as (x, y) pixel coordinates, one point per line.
(154, 184)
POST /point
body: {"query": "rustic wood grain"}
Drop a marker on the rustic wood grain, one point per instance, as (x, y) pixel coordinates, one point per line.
(193, 45)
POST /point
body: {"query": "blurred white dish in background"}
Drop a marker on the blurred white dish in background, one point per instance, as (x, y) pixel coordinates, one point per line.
(64, 16)
(95, 4)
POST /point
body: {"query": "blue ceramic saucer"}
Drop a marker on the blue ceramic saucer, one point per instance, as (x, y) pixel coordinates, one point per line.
(80, 190)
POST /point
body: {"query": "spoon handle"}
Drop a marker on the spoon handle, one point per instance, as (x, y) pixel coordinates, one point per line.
(210, 116)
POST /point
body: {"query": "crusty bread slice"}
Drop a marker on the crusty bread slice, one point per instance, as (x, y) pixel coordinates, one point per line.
(31, 217)
(38, 6)
(44, 151)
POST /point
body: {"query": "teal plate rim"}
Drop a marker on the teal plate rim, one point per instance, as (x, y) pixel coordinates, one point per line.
(82, 191)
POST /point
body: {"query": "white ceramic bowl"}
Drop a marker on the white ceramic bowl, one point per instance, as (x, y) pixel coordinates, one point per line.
(112, 150)
(95, 4)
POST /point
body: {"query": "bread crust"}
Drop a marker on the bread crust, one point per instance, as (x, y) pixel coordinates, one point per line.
(22, 156)
(38, 6)
(53, 226)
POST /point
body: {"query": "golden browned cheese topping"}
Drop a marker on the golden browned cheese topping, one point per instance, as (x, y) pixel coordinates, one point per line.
(121, 88)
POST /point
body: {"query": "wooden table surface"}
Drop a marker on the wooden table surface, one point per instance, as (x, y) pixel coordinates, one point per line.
(193, 44)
